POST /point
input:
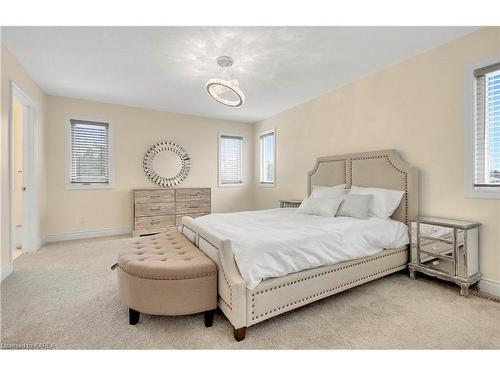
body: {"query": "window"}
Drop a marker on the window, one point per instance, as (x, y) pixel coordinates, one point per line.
(230, 160)
(486, 123)
(89, 154)
(267, 157)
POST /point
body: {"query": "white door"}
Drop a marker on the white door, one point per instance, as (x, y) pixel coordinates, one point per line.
(18, 129)
(23, 209)
(28, 188)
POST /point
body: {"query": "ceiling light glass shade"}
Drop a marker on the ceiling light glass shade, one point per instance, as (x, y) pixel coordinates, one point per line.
(225, 92)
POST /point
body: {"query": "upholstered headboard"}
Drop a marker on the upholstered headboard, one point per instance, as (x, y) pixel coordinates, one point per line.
(384, 169)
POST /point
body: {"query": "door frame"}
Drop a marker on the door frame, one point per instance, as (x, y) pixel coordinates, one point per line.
(30, 205)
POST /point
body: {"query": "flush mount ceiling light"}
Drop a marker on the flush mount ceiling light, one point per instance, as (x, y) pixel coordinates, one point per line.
(224, 91)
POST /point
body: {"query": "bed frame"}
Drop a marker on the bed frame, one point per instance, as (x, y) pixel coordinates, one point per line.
(244, 307)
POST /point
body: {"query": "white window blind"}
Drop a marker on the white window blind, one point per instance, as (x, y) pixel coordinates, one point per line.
(267, 158)
(230, 160)
(89, 150)
(487, 127)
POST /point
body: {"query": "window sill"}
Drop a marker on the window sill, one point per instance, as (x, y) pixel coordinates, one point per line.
(231, 185)
(88, 187)
(488, 193)
(267, 184)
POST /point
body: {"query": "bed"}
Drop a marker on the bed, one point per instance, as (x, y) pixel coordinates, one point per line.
(246, 300)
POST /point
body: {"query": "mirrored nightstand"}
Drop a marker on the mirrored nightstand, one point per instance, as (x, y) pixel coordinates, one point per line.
(290, 203)
(446, 249)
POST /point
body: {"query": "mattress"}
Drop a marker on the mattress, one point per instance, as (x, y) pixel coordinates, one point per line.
(277, 242)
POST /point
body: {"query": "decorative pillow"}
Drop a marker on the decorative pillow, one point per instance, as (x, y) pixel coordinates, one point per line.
(355, 205)
(319, 206)
(319, 191)
(384, 201)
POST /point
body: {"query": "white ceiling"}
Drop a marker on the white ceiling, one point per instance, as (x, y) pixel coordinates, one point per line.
(166, 68)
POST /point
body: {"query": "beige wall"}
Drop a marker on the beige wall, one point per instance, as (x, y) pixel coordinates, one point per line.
(416, 107)
(134, 130)
(12, 71)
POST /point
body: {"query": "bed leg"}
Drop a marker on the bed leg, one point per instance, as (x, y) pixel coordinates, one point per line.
(239, 333)
(412, 275)
(133, 316)
(209, 318)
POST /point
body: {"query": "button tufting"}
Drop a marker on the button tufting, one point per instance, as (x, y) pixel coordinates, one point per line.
(165, 248)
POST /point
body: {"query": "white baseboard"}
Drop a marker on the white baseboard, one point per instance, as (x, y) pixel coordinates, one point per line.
(490, 286)
(87, 234)
(5, 271)
(42, 242)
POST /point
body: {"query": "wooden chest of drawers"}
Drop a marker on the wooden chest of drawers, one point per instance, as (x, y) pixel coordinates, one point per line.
(156, 210)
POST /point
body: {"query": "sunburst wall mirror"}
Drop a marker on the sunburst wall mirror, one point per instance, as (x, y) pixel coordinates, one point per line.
(167, 164)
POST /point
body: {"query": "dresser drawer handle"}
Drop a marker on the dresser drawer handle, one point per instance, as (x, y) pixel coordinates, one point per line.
(155, 209)
(154, 222)
(154, 196)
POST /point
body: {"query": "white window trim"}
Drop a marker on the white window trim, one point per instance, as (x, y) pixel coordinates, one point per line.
(267, 184)
(243, 145)
(67, 158)
(469, 132)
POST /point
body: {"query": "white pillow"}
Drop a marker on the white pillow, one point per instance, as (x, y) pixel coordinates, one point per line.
(384, 201)
(319, 191)
(319, 206)
(355, 205)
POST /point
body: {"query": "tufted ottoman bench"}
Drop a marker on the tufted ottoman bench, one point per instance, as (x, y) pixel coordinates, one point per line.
(166, 274)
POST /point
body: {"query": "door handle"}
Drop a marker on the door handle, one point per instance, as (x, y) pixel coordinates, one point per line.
(23, 188)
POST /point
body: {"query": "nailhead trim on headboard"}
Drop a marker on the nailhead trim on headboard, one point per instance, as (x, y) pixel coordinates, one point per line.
(330, 161)
(398, 170)
(345, 171)
(311, 173)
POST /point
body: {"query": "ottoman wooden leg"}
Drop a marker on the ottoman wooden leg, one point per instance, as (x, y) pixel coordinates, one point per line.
(239, 333)
(133, 316)
(209, 318)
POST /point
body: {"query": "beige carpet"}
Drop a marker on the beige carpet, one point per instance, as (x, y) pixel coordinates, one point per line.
(65, 296)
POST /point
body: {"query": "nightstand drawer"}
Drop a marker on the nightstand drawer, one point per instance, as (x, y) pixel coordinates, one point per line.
(436, 247)
(442, 265)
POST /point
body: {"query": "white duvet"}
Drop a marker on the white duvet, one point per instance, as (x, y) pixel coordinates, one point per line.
(277, 242)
